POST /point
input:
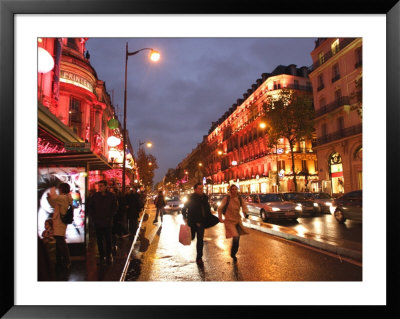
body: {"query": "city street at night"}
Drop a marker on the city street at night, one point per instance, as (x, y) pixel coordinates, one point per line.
(261, 257)
(205, 159)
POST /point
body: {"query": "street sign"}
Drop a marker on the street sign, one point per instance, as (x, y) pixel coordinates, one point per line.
(77, 147)
(279, 150)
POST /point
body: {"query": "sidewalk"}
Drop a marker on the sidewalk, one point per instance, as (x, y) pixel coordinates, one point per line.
(86, 268)
(337, 246)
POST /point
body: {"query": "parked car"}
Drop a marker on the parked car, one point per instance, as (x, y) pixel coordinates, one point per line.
(308, 207)
(173, 204)
(215, 200)
(271, 206)
(348, 206)
(324, 201)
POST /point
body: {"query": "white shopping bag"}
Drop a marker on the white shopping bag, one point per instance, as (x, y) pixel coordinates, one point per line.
(185, 235)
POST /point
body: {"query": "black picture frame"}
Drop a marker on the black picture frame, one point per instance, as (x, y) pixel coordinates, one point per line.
(8, 10)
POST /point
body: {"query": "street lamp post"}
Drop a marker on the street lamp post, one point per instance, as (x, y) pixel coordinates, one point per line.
(155, 55)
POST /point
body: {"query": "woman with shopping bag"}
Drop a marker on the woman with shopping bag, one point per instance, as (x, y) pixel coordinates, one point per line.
(230, 209)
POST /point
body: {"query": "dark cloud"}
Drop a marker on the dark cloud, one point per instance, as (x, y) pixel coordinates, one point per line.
(173, 102)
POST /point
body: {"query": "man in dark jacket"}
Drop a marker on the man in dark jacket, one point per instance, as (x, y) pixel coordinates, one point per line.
(134, 206)
(102, 208)
(195, 214)
(160, 204)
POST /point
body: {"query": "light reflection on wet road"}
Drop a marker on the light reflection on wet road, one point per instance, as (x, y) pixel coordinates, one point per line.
(261, 257)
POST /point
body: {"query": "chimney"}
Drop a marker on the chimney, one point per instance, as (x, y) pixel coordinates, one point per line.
(304, 71)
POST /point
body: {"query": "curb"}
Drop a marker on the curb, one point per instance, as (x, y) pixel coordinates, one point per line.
(333, 248)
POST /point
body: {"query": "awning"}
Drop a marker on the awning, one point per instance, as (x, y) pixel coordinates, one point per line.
(74, 159)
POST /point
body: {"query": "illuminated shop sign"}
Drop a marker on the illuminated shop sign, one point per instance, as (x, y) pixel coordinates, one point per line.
(279, 151)
(68, 77)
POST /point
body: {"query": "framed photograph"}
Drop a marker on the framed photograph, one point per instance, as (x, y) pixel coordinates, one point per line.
(23, 22)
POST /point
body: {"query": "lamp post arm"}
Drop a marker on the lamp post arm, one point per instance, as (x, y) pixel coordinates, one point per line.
(136, 52)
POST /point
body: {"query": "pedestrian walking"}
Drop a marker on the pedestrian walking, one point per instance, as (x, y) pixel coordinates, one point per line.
(133, 206)
(60, 203)
(160, 204)
(230, 209)
(195, 213)
(102, 208)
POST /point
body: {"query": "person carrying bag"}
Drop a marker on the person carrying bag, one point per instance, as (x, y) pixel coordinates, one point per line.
(230, 208)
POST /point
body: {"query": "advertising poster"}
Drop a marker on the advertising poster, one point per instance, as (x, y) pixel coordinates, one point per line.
(52, 177)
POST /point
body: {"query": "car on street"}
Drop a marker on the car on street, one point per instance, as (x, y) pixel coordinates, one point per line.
(173, 204)
(308, 207)
(215, 200)
(348, 206)
(324, 201)
(271, 206)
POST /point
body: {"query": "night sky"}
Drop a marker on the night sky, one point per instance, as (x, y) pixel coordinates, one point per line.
(172, 102)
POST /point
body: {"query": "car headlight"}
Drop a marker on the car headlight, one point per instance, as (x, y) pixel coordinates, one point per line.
(181, 205)
(298, 207)
(218, 203)
(328, 204)
(316, 205)
(332, 209)
(275, 209)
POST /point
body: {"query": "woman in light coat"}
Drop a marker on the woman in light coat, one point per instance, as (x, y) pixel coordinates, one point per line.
(232, 218)
(60, 204)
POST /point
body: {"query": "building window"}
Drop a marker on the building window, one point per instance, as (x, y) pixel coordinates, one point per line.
(338, 94)
(303, 146)
(340, 123)
(320, 82)
(358, 58)
(103, 125)
(75, 115)
(277, 85)
(281, 165)
(321, 58)
(335, 47)
(335, 72)
(303, 165)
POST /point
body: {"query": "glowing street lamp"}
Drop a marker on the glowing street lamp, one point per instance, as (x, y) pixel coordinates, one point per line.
(154, 56)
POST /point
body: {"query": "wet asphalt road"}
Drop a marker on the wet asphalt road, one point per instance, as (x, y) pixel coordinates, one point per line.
(160, 257)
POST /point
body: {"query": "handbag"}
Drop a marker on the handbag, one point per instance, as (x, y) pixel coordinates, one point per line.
(185, 235)
(211, 220)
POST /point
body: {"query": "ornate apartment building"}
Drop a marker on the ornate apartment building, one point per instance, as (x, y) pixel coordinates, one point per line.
(336, 80)
(237, 147)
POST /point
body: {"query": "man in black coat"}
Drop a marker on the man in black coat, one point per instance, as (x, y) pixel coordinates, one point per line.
(134, 206)
(102, 208)
(195, 213)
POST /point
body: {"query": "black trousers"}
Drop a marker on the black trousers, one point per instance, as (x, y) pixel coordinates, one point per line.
(62, 251)
(103, 236)
(160, 210)
(199, 230)
(235, 243)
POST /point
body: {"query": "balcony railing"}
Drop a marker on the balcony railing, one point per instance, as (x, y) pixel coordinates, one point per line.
(332, 106)
(350, 131)
(299, 87)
